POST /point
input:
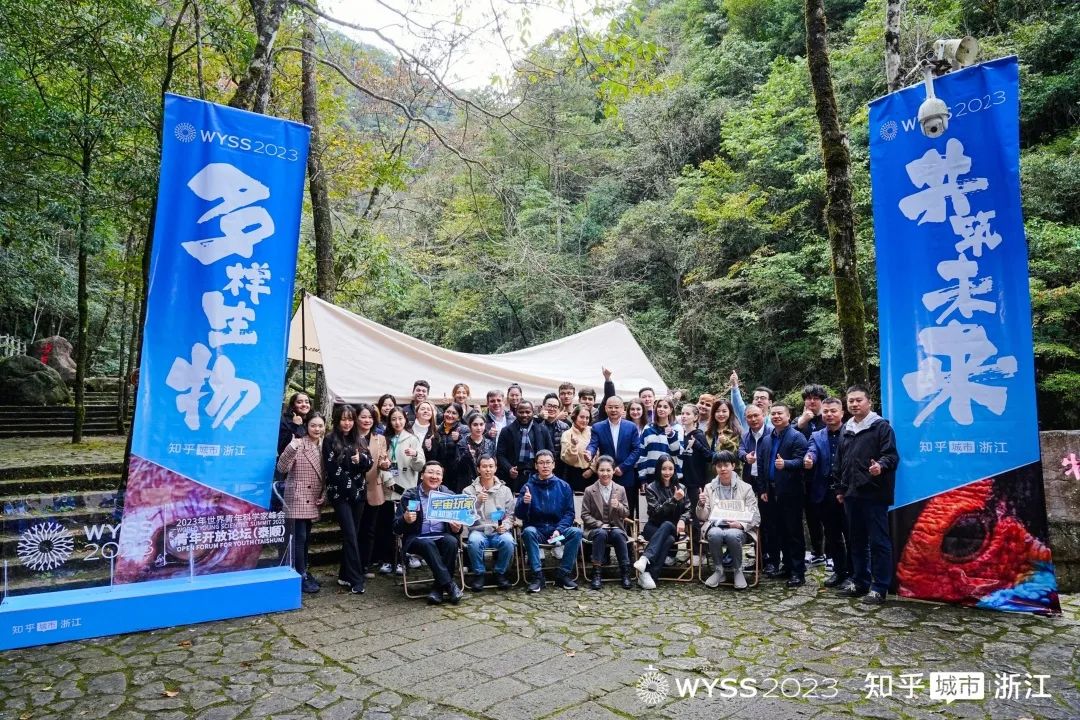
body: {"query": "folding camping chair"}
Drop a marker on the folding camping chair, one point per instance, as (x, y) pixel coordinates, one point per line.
(585, 558)
(682, 571)
(751, 561)
(424, 582)
(513, 572)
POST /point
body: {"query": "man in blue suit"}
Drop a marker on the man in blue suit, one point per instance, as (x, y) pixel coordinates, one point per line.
(820, 454)
(619, 439)
(782, 468)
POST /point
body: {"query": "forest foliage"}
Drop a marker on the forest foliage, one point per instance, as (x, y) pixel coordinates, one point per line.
(665, 170)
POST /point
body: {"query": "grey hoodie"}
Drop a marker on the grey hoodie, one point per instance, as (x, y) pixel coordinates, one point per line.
(499, 497)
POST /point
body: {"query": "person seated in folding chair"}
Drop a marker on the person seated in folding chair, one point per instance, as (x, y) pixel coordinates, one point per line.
(545, 506)
(492, 529)
(669, 518)
(728, 510)
(604, 509)
(435, 541)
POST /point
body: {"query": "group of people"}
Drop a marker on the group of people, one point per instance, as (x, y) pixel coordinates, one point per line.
(702, 472)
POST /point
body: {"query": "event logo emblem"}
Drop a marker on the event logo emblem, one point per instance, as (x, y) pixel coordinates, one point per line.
(888, 130)
(46, 546)
(184, 132)
(652, 687)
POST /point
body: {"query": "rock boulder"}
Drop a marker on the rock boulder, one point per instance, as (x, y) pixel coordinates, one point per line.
(57, 353)
(26, 381)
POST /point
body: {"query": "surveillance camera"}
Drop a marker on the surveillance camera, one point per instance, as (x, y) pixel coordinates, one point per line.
(933, 117)
(957, 52)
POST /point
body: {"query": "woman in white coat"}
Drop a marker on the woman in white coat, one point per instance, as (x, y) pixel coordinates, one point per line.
(406, 461)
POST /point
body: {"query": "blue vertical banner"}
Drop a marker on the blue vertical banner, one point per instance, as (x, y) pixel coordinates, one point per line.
(197, 540)
(957, 365)
(218, 307)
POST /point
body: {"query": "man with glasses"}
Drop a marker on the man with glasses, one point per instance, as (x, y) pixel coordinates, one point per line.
(555, 427)
(545, 506)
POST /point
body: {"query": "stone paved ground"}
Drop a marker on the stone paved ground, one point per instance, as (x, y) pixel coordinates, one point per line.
(558, 654)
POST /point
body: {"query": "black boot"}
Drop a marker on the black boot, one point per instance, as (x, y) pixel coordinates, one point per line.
(625, 581)
(597, 582)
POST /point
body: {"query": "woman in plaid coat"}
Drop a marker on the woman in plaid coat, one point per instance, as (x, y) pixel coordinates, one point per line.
(305, 490)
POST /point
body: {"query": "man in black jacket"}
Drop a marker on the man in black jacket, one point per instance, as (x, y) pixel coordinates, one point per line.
(555, 429)
(782, 467)
(435, 541)
(518, 444)
(864, 477)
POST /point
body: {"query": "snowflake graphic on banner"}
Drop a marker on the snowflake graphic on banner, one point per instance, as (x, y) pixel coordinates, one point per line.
(45, 546)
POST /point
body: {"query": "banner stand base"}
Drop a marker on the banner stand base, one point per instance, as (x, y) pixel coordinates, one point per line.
(46, 618)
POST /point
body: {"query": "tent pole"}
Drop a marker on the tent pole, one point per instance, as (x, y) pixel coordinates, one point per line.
(303, 338)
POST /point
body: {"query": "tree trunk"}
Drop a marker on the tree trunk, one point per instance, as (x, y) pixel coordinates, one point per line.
(82, 349)
(123, 351)
(838, 206)
(325, 280)
(99, 338)
(126, 401)
(254, 87)
(893, 9)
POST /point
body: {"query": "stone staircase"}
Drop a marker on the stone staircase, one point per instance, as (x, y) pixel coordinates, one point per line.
(102, 414)
(80, 496)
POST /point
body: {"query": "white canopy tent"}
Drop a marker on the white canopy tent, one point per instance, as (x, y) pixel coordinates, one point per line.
(362, 359)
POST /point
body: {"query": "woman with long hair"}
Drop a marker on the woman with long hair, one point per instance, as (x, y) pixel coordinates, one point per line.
(461, 394)
(659, 439)
(724, 431)
(669, 518)
(385, 404)
(444, 447)
(407, 459)
(292, 420)
(376, 523)
(578, 470)
(346, 464)
(470, 448)
(423, 426)
(635, 413)
(305, 491)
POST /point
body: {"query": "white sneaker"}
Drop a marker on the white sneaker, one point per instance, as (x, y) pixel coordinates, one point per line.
(646, 582)
(641, 563)
(414, 562)
(398, 570)
(696, 561)
(558, 552)
(682, 555)
(669, 561)
(715, 579)
(740, 580)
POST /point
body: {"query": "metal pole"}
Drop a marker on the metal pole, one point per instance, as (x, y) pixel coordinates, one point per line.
(303, 338)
